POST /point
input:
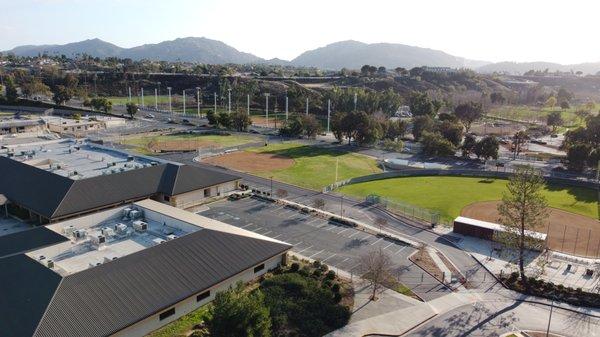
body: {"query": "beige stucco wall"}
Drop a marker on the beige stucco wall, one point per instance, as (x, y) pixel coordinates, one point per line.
(194, 198)
(188, 305)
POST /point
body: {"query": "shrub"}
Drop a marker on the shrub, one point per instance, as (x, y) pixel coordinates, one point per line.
(337, 297)
(324, 268)
(327, 284)
(304, 271)
(317, 264)
(295, 267)
(330, 275)
(335, 288)
(317, 273)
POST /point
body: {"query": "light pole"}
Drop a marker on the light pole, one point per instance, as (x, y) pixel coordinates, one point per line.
(155, 99)
(129, 90)
(267, 108)
(355, 100)
(215, 95)
(198, 100)
(286, 108)
(248, 104)
(550, 318)
(307, 106)
(271, 186)
(328, 113)
(170, 106)
(229, 101)
(184, 102)
(142, 97)
(598, 185)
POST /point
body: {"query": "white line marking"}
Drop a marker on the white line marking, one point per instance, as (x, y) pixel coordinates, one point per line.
(366, 237)
(388, 245)
(329, 257)
(250, 224)
(377, 241)
(265, 233)
(296, 244)
(346, 259)
(275, 237)
(399, 250)
(354, 234)
(343, 230)
(330, 228)
(256, 229)
(310, 257)
(304, 249)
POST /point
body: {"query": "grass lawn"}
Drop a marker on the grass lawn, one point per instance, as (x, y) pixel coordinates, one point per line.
(529, 113)
(184, 324)
(141, 143)
(314, 167)
(449, 195)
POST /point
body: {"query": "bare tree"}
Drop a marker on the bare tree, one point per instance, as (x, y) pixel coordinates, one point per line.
(319, 203)
(523, 209)
(281, 193)
(376, 267)
(381, 222)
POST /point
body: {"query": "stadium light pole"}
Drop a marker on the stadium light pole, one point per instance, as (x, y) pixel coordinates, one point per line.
(267, 108)
(307, 106)
(328, 113)
(198, 100)
(355, 100)
(229, 101)
(184, 102)
(142, 97)
(170, 106)
(155, 99)
(286, 108)
(248, 103)
(215, 95)
(129, 90)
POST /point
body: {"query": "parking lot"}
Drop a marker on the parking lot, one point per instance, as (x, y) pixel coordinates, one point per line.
(336, 245)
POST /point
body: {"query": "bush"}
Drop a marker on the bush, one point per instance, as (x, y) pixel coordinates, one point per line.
(327, 284)
(317, 273)
(330, 275)
(304, 272)
(317, 264)
(337, 297)
(324, 268)
(335, 288)
(295, 267)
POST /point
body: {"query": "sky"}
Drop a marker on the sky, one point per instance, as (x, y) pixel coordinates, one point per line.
(491, 30)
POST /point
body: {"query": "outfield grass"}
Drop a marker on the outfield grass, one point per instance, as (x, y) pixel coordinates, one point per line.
(528, 113)
(449, 195)
(141, 143)
(314, 167)
(182, 325)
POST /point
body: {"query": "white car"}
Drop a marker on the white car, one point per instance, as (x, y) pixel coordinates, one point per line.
(149, 116)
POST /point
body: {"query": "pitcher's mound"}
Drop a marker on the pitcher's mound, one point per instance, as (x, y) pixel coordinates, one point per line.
(251, 162)
(567, 232)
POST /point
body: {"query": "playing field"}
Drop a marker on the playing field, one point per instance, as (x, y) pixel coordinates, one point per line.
(536, 114)
(298, 164)
(187, 142)
(449, 195)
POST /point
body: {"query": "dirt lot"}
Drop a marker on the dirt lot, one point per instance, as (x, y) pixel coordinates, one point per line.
(567, 232)
(251, 162)
(499, 128)
(180, 145)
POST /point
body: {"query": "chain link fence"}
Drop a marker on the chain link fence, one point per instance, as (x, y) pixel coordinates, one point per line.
(405, 209)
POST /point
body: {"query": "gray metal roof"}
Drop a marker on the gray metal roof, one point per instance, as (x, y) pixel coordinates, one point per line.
(54, 196)
(27, 240)
(105, 299)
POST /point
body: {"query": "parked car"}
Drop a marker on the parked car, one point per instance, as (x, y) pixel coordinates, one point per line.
(150, 116)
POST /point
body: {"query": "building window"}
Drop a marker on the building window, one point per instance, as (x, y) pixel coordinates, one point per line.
(203, 296)
(207, 192)
(166, 314)
(259, 268)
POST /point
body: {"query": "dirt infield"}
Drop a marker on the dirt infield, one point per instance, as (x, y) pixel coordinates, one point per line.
(567, 232)
(180, 145)
(251, 162)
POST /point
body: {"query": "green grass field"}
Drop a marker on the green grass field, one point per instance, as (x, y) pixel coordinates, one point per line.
(315, 167)
(449, 195)
(528, 113)
(141, 143)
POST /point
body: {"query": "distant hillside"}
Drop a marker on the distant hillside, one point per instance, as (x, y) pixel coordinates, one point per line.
(190, 49)
(93, 47)
(354, 54)
(517, 68)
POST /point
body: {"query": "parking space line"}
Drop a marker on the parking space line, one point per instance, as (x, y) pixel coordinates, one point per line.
(346, 259)
(256, 229)
(296, 244)
(343, 230)
(310, 257)
(399, 250)
(330, 228)
(275, 237)
(249, 224)
(265, 233)
(377, 241)
(388, 245)
(304, 249)
(354, 234)
(329, 257)
(366, 237)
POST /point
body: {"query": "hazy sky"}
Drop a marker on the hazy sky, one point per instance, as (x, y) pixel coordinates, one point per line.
(492, 30)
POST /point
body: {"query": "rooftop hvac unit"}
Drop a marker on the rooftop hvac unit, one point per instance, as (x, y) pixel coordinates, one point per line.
(140, 226)
(68, 230)
(92, 264)
(158, 241)
(121, 228)
(129, 165)
(109, 258)
(80, 233)
(129, 158)
(171, 237)
(107, 231)
(98, 239)
(135, 214)
(50, 264)
(126, 211)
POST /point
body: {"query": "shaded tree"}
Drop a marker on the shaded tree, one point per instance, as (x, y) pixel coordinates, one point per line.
(469, 113)
(61, 94)
(422, 124)
(554, 120)
(468, 145)
(487, 148)
(453, 132)
(241, 121)
(434, 144)
(132, 109)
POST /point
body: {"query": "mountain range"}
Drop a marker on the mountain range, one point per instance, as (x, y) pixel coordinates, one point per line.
(345, 54)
